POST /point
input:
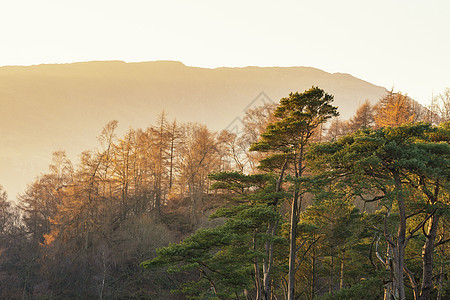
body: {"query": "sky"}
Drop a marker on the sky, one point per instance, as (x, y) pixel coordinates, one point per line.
(399, 44)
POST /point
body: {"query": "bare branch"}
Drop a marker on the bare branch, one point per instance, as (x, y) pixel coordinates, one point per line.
(441, 242)
(386, 232)
(412, 280)
(370, 251)
(378, 254)
(304, 253)
(376, 198)
(420, 225)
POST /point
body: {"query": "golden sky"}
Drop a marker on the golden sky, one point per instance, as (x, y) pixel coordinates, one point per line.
(393, 43)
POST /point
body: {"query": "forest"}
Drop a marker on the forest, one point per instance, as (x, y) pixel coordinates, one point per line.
(298, 205)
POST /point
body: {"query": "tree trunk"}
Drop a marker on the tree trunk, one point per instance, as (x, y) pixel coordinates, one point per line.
(398, 281)
(158, 196)
(395, 261)
(257, 272)
(214, 286)
(102, 289)
(341, 279)
(292, 250)
(295, 211)
(389, 291)
(268, 262)
(441, 282)
(192, 195)
(399, 251)
(313, 277)
(414, 285)
(172, 149)
(427, 258)
(441, 273)
(271, 231)
(330, 286)
(171, 164)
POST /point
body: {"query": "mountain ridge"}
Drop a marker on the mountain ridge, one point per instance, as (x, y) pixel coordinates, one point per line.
(49, 107)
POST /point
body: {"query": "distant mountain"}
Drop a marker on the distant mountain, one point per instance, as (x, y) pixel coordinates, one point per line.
(64, 106)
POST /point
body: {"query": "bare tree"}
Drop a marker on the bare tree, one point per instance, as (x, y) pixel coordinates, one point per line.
(441, 105)
(198, 158)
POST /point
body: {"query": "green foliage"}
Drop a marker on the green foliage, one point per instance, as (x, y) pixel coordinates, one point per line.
(335, 218)
(372, 164)
(365, 159)
(298, 115)
(218, 256)
(333, 237)
(223, 257)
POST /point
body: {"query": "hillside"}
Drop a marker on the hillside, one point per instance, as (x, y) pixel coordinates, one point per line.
(64, 106)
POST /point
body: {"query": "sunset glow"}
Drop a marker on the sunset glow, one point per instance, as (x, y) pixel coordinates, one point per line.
(401, 44)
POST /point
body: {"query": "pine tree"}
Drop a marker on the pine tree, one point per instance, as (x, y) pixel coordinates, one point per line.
(228, 257)
(407, 168)
(287, 138)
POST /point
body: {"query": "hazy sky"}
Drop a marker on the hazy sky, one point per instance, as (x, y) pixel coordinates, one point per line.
(403, 44)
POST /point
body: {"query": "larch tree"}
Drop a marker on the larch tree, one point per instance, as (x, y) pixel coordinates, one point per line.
(40, 201)
(174, 135)
(393, 109)
(363, 118)
(124, 158)
(163, 140)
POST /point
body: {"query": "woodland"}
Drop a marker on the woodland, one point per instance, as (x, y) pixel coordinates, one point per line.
(298, 205)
